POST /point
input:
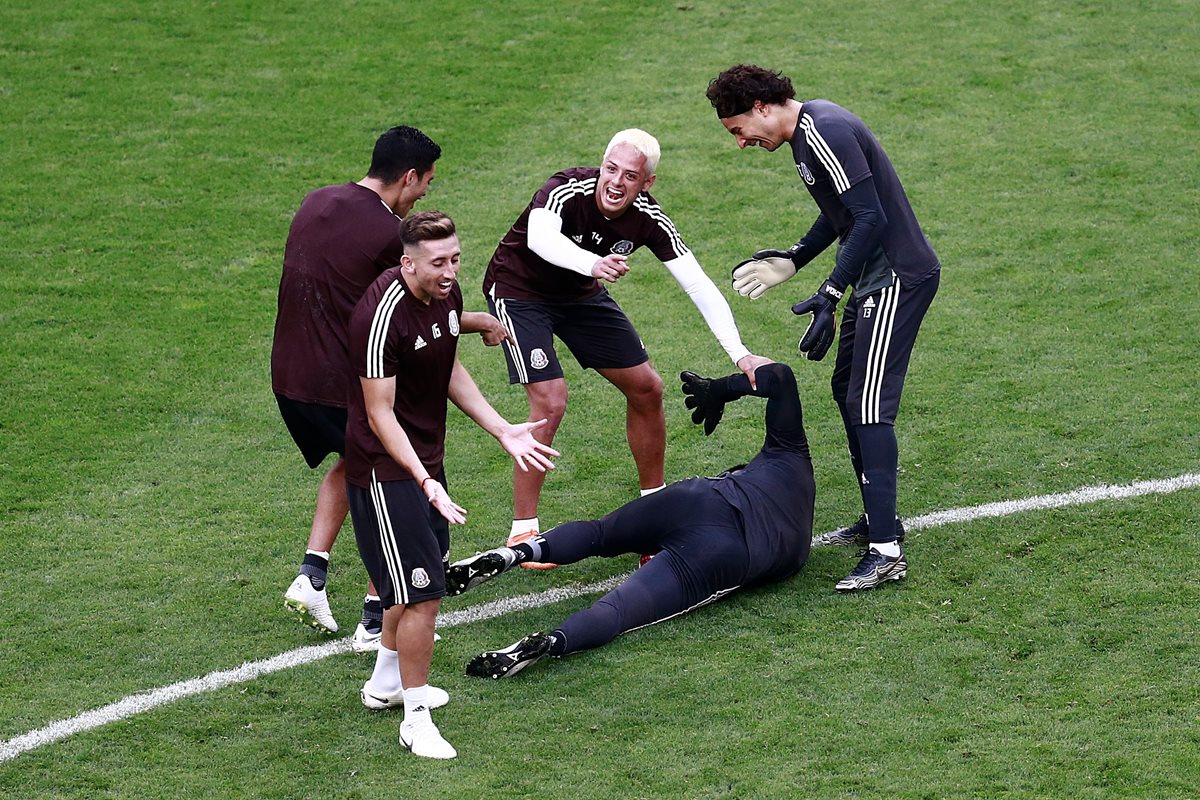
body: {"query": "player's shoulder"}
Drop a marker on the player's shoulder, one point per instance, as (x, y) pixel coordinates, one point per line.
(573, 179)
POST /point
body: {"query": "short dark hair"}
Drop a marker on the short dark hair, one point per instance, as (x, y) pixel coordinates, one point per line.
(734, 91)
(425, 226)
(400, 149)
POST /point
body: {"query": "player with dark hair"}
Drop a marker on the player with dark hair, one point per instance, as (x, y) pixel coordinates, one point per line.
(881, 251)
(749, 526)
(341, 239)
(403, 344)
(544, 280)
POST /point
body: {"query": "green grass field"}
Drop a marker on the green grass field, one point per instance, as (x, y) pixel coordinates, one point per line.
(154, 508)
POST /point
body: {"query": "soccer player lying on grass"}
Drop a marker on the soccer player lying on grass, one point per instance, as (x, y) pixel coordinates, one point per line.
(748, 526)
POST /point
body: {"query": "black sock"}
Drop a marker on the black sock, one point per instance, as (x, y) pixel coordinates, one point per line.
(372, 616)
(531, 550)
(878, 444)
(558, 644)
(316, 568)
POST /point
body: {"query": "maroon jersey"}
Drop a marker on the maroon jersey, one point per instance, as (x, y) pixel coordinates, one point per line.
(517, 273)
(394, 334)
(341, 239)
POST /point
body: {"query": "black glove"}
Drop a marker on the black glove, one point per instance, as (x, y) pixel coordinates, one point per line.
(699, 397)
(819, 336)
(795, 254)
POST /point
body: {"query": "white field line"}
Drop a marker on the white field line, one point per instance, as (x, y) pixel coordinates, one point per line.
(146, 701)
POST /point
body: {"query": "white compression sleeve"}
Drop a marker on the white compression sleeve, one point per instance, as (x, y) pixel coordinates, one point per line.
(547, 240)
(710, 301)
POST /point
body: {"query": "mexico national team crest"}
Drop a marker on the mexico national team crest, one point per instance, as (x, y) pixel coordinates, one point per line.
(420, 578)
(623, 247)
(537, 358)
(453, 322)
(805, 173)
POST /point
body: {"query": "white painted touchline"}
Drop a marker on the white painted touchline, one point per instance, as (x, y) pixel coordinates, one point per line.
(146, 701)
(138, 703)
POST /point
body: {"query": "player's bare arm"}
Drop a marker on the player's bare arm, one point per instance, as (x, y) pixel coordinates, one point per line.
(379, 395)
(517, 440)
(487, 326)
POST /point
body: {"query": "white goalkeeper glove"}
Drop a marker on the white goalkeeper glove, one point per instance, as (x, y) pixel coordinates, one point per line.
(753, 277)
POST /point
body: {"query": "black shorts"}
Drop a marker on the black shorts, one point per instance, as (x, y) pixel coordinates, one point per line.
(316, 429)
(403, 541)
(596, 331)
(876, 340)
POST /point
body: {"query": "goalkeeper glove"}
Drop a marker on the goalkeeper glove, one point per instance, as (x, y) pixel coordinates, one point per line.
(699, 397)
(819, 336)
(755, 275)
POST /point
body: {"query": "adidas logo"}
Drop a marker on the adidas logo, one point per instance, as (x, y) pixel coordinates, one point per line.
(419, 343)
(870, 303)
(578, 238)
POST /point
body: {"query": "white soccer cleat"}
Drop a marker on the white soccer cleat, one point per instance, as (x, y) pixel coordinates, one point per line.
(379, 701)
(364, 641)
(310, 605)
(424, 739)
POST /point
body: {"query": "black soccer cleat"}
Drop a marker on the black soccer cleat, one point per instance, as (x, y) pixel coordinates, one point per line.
(479, 568)
(512, 659)
(855, 534)
(873, 570)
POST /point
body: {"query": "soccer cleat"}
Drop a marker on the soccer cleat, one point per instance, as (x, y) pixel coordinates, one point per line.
(517, 538)
(510, 660)
(424, 739)
(855, 534)
(872, 570)
(310, 605)
(479, 568)
(379, 701)
(365, 640)
(645, 559)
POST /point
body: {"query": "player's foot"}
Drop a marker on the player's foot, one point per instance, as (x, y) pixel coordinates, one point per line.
(510, 660)
(424, 739)
(855, 534)
(311, 606)
(873, 569)
(517, 538)
(381, 701)
(645, 559)
(479, 568)
(366, 640)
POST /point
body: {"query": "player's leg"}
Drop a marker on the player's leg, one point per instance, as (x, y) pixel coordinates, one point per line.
(318, 430)
(888, 322)
(402, 543)
(645, 420)
(666, 587)
(533, 363)
(601, 337)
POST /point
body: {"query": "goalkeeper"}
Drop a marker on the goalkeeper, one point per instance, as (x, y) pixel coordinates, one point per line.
(881, 251)
(749, 526)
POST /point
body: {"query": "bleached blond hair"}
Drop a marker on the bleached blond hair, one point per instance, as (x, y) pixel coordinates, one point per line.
(640, 141)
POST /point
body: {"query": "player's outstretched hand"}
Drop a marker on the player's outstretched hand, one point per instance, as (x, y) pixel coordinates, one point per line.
(819, 336)
(698, 396)
(518, 442)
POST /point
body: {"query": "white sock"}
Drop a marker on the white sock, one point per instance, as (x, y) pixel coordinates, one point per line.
(386, 677)
(890, 549)
(523, 525)
(416, 704)
(652, 491)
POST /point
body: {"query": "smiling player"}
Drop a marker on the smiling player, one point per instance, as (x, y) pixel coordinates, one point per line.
(544, 280)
